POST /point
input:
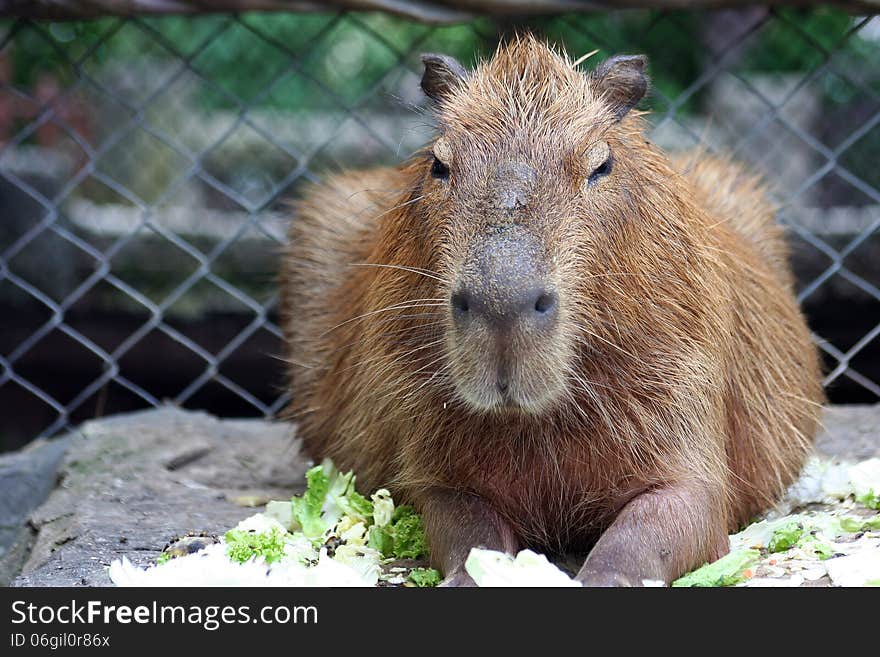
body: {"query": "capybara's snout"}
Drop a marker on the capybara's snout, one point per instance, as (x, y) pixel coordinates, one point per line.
(505, 287)
(505, 314)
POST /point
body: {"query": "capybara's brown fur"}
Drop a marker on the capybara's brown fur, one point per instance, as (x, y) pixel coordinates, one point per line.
(670, 393)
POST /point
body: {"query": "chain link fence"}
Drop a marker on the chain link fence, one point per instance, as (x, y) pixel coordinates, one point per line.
(146, 163)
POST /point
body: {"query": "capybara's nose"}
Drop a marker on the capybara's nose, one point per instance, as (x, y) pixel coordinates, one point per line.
(505, 284)
(534, 307)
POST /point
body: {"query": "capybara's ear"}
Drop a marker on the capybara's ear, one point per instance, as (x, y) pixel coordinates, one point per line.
(621, 81)
(442, 75)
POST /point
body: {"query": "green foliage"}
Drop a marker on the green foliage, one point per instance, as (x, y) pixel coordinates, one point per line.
(321, 60)
(795, 41)
(49, 48)
(309, 64)
(667, 38)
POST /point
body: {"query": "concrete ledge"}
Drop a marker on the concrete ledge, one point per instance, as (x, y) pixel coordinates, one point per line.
(130, 483)
(26, 479)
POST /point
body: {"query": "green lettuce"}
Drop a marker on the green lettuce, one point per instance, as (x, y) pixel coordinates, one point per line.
(381, 539)
(409, 533)
(727, 571)
(785, 537)
(402, 538)
(422, 577)
(853, 525)
(242, 546)
(870, 499)
(331, 500)
(330, 495)
(820, 549)
(308, 508)
(356, 505)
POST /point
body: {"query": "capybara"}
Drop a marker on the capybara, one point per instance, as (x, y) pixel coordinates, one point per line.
(543, 332)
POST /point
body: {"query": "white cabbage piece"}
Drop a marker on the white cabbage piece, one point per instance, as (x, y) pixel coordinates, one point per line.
(383, 507)
(282, 511)
(856, 569)
(492, 568)
(260, 523)
(363, 560)
(865, 478)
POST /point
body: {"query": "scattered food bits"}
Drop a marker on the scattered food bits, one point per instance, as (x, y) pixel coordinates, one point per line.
(331, 535)
(825, 530)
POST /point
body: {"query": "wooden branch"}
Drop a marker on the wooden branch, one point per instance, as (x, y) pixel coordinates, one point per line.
(427, 11)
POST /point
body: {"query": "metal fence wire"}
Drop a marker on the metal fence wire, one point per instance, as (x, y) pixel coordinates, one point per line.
(145, 164)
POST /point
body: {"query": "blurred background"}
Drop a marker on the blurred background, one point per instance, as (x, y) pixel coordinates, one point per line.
(146, 163)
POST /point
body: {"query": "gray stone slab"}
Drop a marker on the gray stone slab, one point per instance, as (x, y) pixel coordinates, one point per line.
(850, 432)
(26, 479)
(132, 482)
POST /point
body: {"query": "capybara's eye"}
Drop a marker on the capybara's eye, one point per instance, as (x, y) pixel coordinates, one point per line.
(442, 152)
(599, 161)
(602, 170)
(439, 170)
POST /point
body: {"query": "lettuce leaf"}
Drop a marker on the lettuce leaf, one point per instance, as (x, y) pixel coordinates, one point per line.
(403, 537)
(785, 537)
(870, 499)
(422, 577)
(307, 509)
(853, 525)
(356, 505)
(819, 548)
(727, 571)
(381, 539)
(331, 501)
(409, 534)
(242, 545)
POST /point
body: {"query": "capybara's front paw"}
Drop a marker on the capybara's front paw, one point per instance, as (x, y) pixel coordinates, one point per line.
(458, 578)
(608, 579)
